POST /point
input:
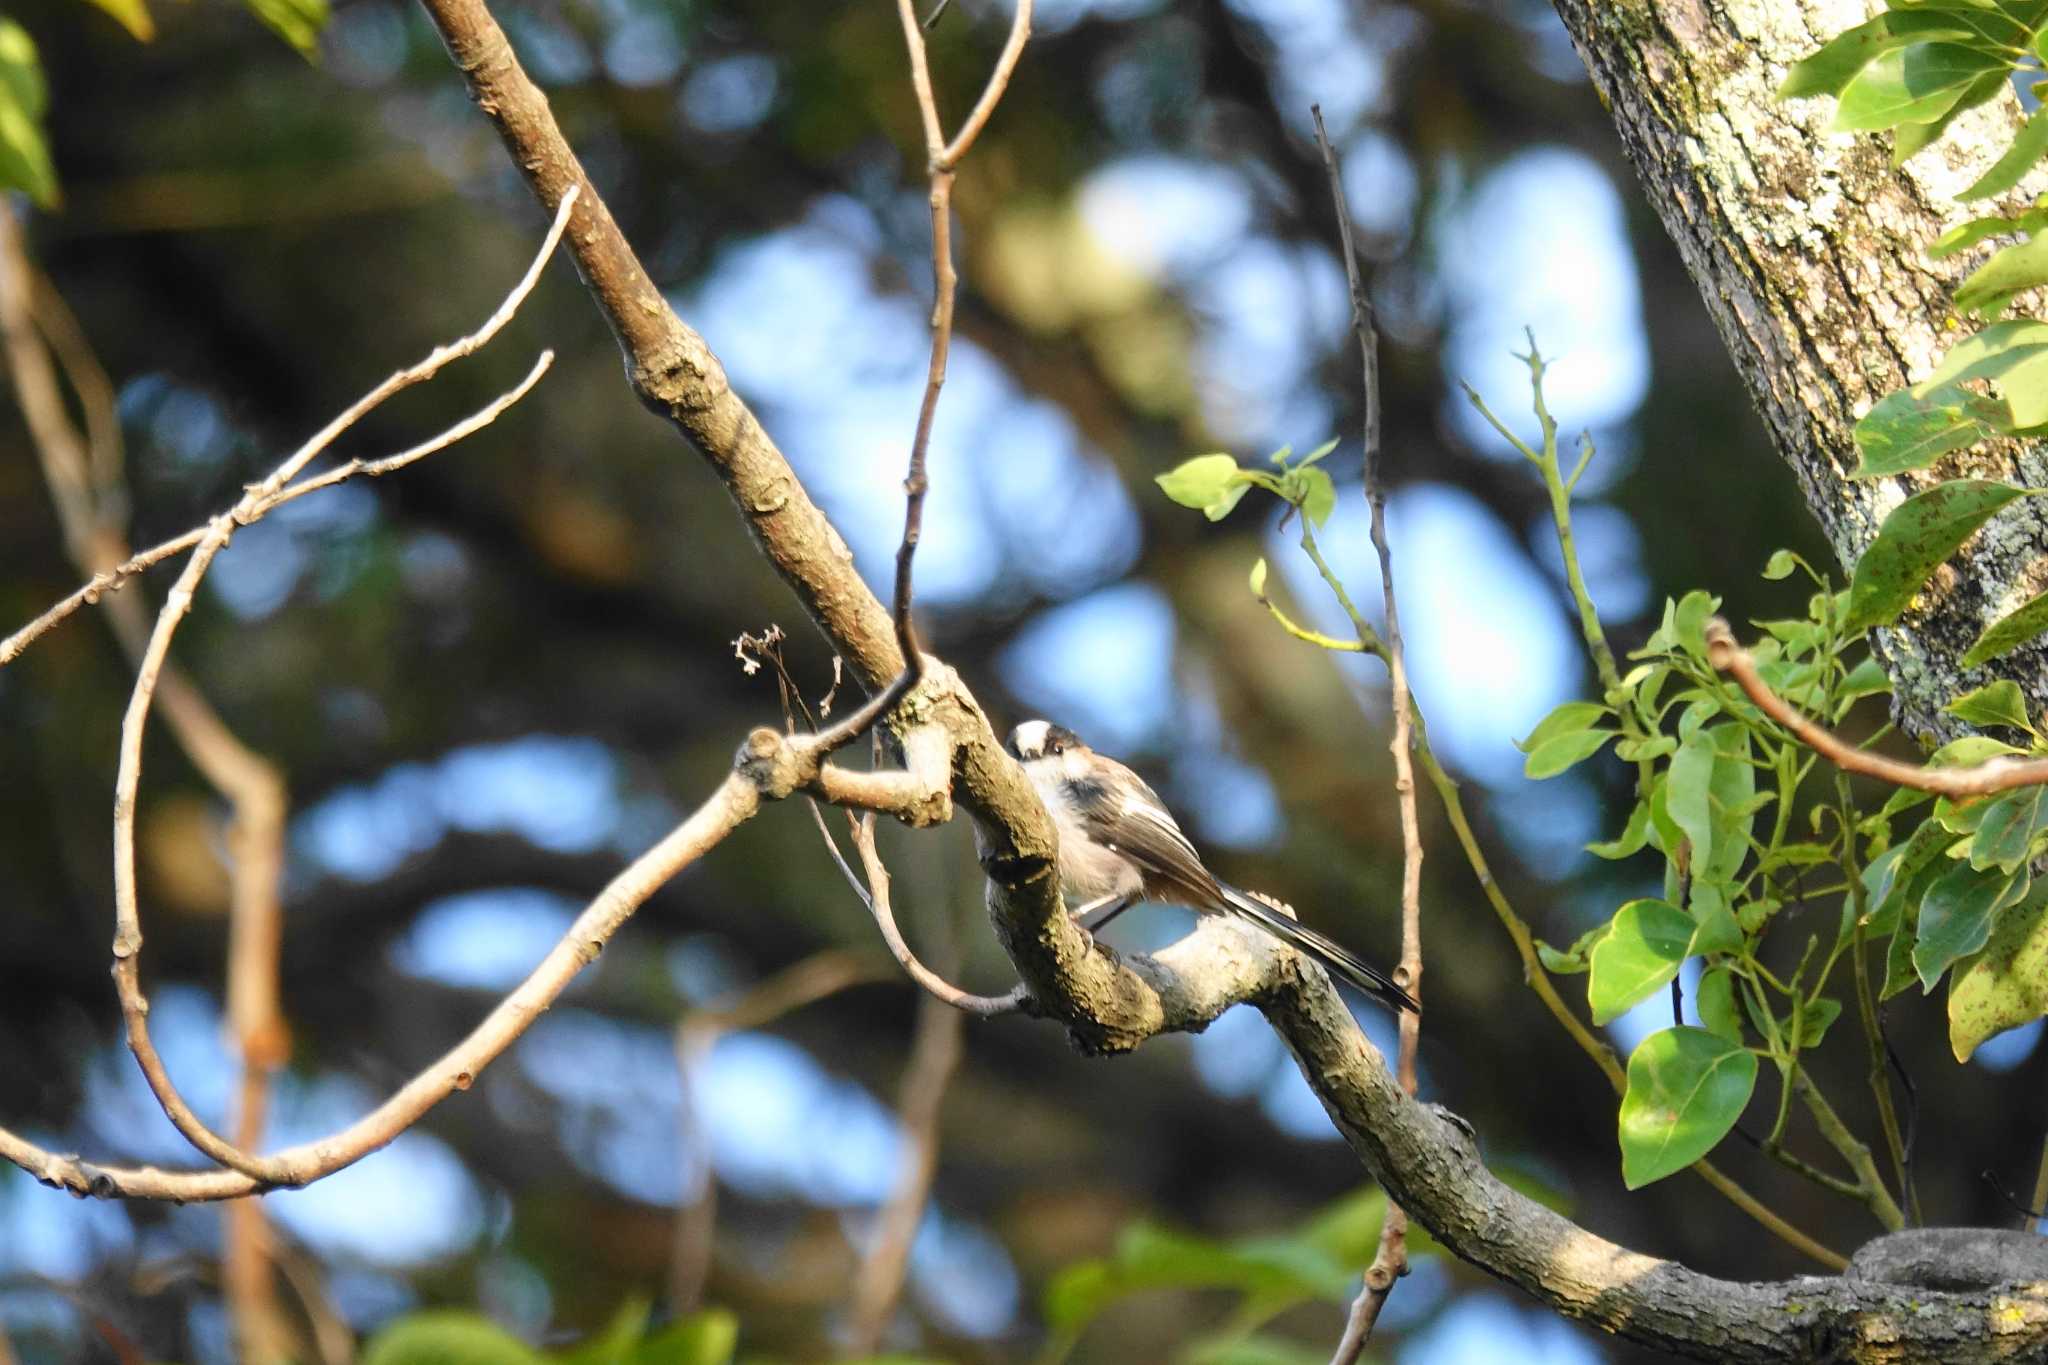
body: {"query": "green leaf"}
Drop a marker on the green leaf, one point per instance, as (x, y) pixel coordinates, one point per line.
(1898, 962)
(1571, 961)
(1815, 1016)
(1963, 236)
(1318, 494)
(1912, 138)
(1707, 793)
(1553, 756)
(710, 1337)
(1969, 751)
(2007, 830)
(1956, 917)
(132, 15)
(1911, 428)
(1633, 837)
(1569, 718)
(1258, 579)
(24, 153)
(2011, 270)
(613, 1344)
(2006, 984)
(1867, 679)
(1149, 1256)
(1200, 482)
(1919, 534)
(1686, 1089)
(2026, 149)
(298, 22)
(1990, 354)
(1996, 703)
(1715, 1000)
(1318, 453)
(1689, 621)
(1895, 877)
(1915, 84)
(1640, 952)
(1780, 565)
(1226, 1348)
(1828, 70)
(2009, 632)
(447, 1337)
(1714, 931)
(1640, 750)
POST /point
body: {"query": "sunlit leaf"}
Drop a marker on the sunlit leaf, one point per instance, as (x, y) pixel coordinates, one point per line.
(2006, 984)
(447, 1337)
(1707, 793)
(1920, 533)
(1825, 72)
(1200, 481)
(1714, 930)
(1985, 293)
(2006, 172)
(1965, 235)
(1912, 428)
(1569, 718)
(1915, 84)
(2009, 632)
(1640, 952)
(132, 15)
(612, 1344)
(298, 22)
(1686, 1089)
(24, 152)
(1998, 703)
(1553, 756)
(1318, 494)
(1318, 453)
(1258, 578)
(1910, 139)
(1715, 1000)
(711, 1337)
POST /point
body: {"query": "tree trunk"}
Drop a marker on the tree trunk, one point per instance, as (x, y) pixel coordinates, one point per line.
(1809, 249)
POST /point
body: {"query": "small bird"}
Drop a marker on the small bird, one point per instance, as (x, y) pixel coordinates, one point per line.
(1120, 845)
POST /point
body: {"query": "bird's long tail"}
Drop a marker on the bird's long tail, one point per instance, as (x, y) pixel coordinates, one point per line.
(1327, 951)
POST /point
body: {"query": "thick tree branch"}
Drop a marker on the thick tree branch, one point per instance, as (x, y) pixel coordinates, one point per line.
(1428, 1164)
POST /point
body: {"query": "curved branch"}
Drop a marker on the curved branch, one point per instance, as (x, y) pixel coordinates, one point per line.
(1996, 775)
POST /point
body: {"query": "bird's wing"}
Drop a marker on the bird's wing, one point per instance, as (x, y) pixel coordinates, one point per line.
(1143, 830)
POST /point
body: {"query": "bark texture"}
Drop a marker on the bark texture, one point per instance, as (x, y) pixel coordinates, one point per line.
(1809, 249)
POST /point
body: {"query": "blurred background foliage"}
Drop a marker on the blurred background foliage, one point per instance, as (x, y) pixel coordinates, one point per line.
(493, 678)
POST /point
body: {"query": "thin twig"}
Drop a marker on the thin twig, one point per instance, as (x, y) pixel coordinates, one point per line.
(85, 480)
(734, 802)
(1996, 775)
(250, 782)
(943, 159)
(1390, 1260)
(984, 1006)
(934, 1056)
(113, 579)
(804, 983)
